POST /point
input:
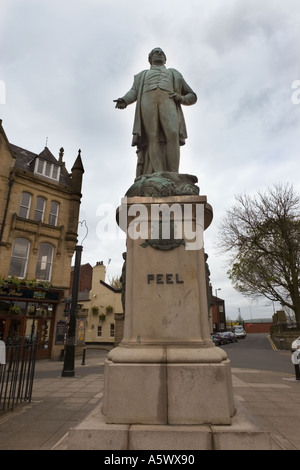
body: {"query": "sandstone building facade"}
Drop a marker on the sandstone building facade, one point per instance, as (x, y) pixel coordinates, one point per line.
(100, 308)
(39, 213)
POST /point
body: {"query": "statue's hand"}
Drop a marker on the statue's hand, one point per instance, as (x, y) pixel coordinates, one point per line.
(176, 97)
(120, 103)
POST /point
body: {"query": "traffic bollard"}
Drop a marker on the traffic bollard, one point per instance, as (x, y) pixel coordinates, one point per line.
(83, 357)
(297, 371)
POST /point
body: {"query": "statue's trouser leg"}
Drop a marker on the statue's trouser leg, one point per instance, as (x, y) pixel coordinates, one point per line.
(170, 123)
(150, 118)
(158, 109)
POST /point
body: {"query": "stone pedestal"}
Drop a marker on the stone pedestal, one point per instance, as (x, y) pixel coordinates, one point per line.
(166, 369)
(242, 434)
(166, 385)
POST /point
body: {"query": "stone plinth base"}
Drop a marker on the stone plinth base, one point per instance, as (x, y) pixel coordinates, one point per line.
(166, 370)
(162, 393)
(242, 434)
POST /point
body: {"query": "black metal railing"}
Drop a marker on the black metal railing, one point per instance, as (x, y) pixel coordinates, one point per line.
(17, 372)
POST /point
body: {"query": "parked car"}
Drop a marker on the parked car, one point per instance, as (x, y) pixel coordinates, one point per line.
(218, 339)
(295, 343)
(239, 331)
(230, 336)
(221, 339)
(225, 337)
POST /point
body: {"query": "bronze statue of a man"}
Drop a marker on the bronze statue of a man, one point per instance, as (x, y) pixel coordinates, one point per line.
(159, 127)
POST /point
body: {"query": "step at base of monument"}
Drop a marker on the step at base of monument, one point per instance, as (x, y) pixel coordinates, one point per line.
(244, 433)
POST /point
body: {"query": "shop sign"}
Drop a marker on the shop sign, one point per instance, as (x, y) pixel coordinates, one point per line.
(29, 294)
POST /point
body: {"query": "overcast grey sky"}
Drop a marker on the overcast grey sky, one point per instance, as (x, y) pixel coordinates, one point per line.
(64, 62)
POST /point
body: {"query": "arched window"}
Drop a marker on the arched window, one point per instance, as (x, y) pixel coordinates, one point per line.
(19, 257)
(44, 263)
(53, 214)
(39, 209)
(25, 205)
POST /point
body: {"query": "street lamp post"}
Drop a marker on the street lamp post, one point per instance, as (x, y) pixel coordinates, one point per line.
(69, 360)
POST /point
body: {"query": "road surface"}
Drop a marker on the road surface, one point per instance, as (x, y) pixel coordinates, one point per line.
(256, 352)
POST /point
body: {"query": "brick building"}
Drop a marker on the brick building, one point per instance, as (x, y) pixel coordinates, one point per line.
(262, 325)
(85, 278)
(39, 210)
(218, 316)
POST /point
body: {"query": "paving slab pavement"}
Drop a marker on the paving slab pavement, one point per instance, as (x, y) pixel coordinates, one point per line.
(60, 403)
(273, 399)
(57, 404)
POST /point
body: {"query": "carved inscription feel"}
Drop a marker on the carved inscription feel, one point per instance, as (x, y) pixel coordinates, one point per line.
(164, 279)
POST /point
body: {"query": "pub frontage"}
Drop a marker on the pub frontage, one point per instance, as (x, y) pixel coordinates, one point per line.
(28, 313)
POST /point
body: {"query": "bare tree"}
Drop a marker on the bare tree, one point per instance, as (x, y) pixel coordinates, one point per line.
(115, 282)
(262, 236)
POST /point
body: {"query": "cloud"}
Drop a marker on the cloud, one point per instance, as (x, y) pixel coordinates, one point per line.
(65, 64)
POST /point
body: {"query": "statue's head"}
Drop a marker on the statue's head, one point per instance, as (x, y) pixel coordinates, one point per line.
(156, 53)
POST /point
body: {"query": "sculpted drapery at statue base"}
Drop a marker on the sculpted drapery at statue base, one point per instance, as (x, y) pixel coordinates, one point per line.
(159, 127)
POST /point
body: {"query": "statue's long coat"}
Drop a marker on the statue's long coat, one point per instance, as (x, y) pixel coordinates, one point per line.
(135, 93)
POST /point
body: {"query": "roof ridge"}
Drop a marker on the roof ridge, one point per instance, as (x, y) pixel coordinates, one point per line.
(48, 156)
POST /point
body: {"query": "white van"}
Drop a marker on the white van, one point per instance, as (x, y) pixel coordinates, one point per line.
(239, 331)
